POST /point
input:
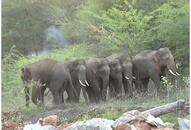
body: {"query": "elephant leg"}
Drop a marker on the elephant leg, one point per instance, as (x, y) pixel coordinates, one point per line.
(71, 97)
(56, 88)
(103, 89)
(78, 90)
(42, 94)
(128, 87)
(97, 93)
(61, 95)
(85, 95)
(144, 85)
(118, 88)
(156, 79)
(137, 86)
(111, 89)
(90, 93)
(56, 98)
(71, 91)
(26, 89)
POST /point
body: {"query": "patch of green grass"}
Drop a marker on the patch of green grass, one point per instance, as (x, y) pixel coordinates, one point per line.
(168, 118)
(111, 115)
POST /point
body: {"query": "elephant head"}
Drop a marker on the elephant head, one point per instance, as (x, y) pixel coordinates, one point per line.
(115, 68)
(27, 78)
(166, 59)
(78, 71)
(127, 67)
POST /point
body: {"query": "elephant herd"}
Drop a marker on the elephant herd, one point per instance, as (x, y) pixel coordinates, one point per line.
(97, 78)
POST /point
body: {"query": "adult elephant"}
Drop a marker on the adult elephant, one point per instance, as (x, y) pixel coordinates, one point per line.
(50, 74)
(152, 65)
(77, 68)
(115, 77)
(97, 71)
(125, 61)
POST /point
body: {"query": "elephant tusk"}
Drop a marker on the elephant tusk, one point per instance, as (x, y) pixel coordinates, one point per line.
(133, 77)
(126, 77)
(172, 72)
(82, 83)
(177, 73)
(87, 82)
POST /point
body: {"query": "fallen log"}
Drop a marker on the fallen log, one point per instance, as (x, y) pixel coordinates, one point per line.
(157, 111)
(164, 109)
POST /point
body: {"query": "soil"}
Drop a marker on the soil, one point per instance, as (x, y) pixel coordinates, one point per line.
(71, 112)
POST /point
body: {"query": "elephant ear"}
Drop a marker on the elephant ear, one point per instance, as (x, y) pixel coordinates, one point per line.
(26, 74)
(156, 58)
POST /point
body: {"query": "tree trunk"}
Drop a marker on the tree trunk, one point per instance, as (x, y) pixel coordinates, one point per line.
(164, 109)
(157, 111)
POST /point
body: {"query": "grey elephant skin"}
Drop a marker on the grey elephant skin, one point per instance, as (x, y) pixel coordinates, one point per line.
(50, 74)
(98, 78)
(152, 65)
(77, 68)
(115, 77)
(125, 61)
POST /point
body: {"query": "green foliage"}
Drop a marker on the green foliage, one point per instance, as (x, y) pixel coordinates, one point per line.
(21, 27)
(171, 28)
(63, 120)
(168, 118)
(186, 81)
(166, 82)
(126, 26)
(111, 115)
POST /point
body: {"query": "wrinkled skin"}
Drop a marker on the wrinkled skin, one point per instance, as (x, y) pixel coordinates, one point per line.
(98, 78)
(115, 78)
(77, 70)
(126, 70)
(152, 64)
(46, 73)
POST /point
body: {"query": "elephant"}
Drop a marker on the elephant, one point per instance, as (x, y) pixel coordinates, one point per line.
(77, 68)
(115, 77)
(50, 74)
(125, 61)
(152, 65)
(98, 71)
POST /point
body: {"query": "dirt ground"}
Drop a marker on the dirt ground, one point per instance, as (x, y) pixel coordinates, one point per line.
(70, 112)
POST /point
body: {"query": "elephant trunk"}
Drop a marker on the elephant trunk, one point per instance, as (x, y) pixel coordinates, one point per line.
(82, 77)
(127, 71)
(172, 67)
(35, 95)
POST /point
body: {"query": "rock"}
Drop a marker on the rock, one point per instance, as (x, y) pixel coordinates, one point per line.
(63, 126)
(162, 128)
(39, 127)
(50, 120)
(129, 117)
(93, 124)
(9, 125)
(141, 125)
(122, 126)
(155, 121)
(184, 124)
